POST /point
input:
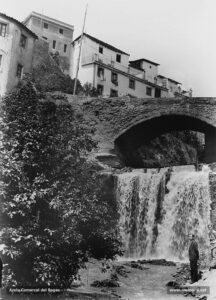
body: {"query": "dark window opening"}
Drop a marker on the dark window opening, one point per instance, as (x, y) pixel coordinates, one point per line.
(45, 25)
(3, 28)
(54, 44)
(114, 78)
(100, 73)
(132, 84)
(19, 70)
(0, 59)
(61, 30)
(148, 91)
(65, 48)
(100, 89)
(23, 41)
(118, 58)
(157, 93)
(100, 49)
(113, 93)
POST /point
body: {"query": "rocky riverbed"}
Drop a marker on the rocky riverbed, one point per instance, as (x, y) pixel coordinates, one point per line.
(126, 280)
(134, 280)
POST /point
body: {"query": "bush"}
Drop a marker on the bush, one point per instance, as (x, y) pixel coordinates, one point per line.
(53, 210)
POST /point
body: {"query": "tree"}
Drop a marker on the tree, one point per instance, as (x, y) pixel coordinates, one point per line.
(89, 90)
(53, 209)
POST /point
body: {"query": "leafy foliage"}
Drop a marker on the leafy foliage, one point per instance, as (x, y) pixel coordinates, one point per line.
(47, 72)
(169, 149)
(89, 90)
(54, 214)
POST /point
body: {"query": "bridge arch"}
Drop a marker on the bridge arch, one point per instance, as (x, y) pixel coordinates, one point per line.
(136, 134)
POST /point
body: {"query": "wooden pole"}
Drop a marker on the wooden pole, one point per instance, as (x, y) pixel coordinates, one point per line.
(81, 40)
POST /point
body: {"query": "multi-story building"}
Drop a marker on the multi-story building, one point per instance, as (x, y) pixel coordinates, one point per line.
(16, 52)
(174, 87)
(58, 35)
(108, 69)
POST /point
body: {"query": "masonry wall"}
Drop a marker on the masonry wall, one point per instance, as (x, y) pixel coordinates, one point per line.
(13, 54)
(212, 183)
(151, 71)
(5, 51)
(52, 33)
(122, 88)
(20, 55)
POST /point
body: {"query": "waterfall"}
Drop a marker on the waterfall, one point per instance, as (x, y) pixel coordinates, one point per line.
(159, 209)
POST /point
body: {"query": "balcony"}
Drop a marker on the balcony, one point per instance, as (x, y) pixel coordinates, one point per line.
(105, 60)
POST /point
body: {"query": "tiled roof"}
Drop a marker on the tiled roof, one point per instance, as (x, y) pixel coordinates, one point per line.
(102, 44)
(170, 79)
(18, 24)
(143, 59)
(174, 81)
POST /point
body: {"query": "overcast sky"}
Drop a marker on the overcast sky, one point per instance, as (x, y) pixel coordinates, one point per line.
(180, 35)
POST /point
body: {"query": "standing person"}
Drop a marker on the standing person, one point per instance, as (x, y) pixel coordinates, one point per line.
(1, 268)
(193, 257)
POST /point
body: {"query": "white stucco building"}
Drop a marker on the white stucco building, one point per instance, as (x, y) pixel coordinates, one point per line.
(58, 35)
(16, 52)
(109, 70)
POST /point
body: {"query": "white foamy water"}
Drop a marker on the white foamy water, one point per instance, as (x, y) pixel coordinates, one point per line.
(159, 209)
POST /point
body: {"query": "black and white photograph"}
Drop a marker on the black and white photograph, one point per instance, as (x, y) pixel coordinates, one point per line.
(108, 150)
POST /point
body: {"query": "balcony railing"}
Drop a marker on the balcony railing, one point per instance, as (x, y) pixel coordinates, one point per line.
(109, 62)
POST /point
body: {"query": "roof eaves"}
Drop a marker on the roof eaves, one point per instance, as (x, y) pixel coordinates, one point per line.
(35, 14)
(174, 81)
(147, 60)
(101, 43)
(19, 24)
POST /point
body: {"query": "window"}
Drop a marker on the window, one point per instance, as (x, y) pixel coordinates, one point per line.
(100, 73)
(3, 28)
(23, 41)
(157, 93)
(114, 78)
(113, 93)
(100, 89)
(118, 58)
(45, 25)
(65, 48)
(19, 70)
(60, 30)
(0, 60)
(132, 84)
(148, 91)
(54, 44)
(101, 49)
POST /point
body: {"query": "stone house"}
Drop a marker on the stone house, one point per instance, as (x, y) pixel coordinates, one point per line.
(57, 34)
(16, 52)
(108, 70)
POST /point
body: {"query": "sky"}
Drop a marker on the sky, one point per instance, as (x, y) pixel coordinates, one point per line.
(180, 35)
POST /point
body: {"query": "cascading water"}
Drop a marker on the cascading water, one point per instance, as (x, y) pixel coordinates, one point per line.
(161, 208)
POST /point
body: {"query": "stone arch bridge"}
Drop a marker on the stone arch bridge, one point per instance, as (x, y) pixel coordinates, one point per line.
(124, 123)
